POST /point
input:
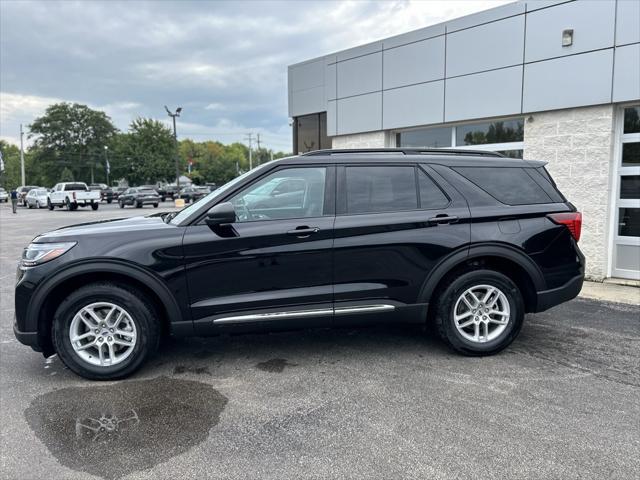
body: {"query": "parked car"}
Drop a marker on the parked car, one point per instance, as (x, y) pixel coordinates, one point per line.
(211, 186)
(468, 241)
(4, 196)
(118, 191)
(37, 198)
(193, 194)
(73, 195)
(22, 194)
(168, 191)
(139, 197)
(106, 193)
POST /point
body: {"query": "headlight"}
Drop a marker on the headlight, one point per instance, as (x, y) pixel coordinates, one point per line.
(39, 253)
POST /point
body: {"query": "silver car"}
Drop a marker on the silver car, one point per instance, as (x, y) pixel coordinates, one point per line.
(4, 196)
(37, 198)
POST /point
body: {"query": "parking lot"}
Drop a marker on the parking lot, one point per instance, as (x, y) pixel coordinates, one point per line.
(388, 402)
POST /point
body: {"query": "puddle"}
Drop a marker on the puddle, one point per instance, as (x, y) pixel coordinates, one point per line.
(275, 365)
(113, 430)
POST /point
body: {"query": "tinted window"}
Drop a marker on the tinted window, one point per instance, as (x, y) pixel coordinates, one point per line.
(632, 120)
(430, 194)
(75, 186)
(631, 154)
(439, 137)
(261, 201)
(630, 186)
(490, 132)
(513, 186)
(380, 189)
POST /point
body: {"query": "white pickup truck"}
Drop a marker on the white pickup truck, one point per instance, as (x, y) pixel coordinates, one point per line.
(72, 195)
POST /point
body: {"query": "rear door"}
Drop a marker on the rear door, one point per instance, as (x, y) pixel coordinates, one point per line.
(394, 223)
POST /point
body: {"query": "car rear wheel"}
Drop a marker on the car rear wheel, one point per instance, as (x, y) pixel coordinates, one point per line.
(49, 204)
(104, 331)
(138, 205)
(155, 205)
(94, 206)
(480, 312)
(121, 204)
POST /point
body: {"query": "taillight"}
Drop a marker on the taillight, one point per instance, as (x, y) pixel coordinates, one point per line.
(572, 220)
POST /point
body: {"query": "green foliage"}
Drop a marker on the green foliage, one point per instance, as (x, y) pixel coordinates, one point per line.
(70, 136)
(66, 175)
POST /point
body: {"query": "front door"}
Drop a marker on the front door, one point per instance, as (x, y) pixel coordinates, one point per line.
(393, 225)
(273, 267)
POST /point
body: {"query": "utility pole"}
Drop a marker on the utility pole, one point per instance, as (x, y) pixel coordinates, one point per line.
(271, 152)
(175, 139)
(259, 155)
(250, 137)
(22, 156)
(106, 164)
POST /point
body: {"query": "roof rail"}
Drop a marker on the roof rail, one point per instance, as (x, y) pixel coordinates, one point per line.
(405, 151)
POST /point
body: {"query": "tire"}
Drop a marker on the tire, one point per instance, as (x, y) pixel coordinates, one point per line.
(139, 311)
(155, 205)
(49, 205)
(29, 206)
(497, 336)
(68, 205)
(162, 199)
(121, 204)
(109, 201)
(94, 206)
(138, 205)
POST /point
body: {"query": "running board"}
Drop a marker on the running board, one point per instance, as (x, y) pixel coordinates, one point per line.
(260, 317)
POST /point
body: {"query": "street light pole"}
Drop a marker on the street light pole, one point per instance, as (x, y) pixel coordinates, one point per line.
(22, 157)
(175, 139)
(106, 163)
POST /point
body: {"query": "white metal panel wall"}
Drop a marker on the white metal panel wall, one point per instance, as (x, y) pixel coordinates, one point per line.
(626, 74)
(486, 47)
(306, 88)
(488, 94)
(420, 104)
(593, 24)
(332, 118)
(414, 63)
(330, 81)
(566, 82)
(360, 75)
(360, 114)
(628, 22)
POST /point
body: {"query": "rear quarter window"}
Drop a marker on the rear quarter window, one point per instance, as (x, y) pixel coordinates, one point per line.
(510, 185)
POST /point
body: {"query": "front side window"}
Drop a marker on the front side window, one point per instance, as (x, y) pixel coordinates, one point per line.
(374, 189)
(286, 193)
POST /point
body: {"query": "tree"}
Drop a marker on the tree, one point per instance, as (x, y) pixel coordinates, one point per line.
(10, 178)
(66, 175)
(150, 150)
(71, 136)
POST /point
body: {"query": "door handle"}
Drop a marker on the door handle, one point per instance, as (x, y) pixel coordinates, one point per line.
(442, 219)
(303, 232)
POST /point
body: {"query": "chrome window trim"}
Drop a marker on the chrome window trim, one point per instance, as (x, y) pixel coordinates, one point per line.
(347, 310)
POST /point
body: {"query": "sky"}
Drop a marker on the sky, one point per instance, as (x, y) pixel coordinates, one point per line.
(224, 63)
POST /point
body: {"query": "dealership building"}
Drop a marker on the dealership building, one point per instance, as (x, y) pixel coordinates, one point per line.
(548, 80)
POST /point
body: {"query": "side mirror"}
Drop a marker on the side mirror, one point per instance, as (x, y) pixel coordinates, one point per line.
(221, 214)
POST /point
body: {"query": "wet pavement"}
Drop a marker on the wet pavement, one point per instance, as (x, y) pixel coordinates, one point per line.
(387, 402)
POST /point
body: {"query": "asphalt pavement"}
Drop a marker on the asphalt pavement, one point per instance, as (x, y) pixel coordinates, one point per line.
(386, 402)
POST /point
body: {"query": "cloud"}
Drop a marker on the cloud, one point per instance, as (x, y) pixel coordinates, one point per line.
(224, 62)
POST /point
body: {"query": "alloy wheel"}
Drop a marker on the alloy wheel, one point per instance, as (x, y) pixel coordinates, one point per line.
(103, 334)
(481, 313)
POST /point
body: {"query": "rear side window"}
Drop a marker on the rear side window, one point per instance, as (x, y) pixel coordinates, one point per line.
(513, 186)
(372, 189)
(430, 194)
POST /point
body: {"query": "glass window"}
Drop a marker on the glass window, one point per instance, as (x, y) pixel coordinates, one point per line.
(311, 133)
(490, 132)
(287, 193)
(325, 141)
(631, 154)
(426, 138)
(630, 186)
(513, 186)
(381, 189)
(430, 194)
(512, 153)
(629, 222)
(632, 120)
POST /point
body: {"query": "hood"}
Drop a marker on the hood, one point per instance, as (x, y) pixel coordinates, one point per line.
(105, 227)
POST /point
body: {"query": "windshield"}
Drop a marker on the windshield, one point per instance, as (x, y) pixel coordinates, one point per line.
(186, 212)
(148, 191)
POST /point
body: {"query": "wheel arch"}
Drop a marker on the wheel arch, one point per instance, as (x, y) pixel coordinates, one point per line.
(50, 294)
(506, 259)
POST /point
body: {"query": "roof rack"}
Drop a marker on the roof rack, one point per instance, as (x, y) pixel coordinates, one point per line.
(405, 151)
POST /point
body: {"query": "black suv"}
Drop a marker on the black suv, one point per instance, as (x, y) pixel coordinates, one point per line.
(469, 241)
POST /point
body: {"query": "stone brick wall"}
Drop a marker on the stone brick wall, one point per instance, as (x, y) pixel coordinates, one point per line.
(578, 144)
(377, 139)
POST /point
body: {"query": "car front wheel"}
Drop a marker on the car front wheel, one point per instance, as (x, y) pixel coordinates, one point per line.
(480, 312)
(104, 331)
